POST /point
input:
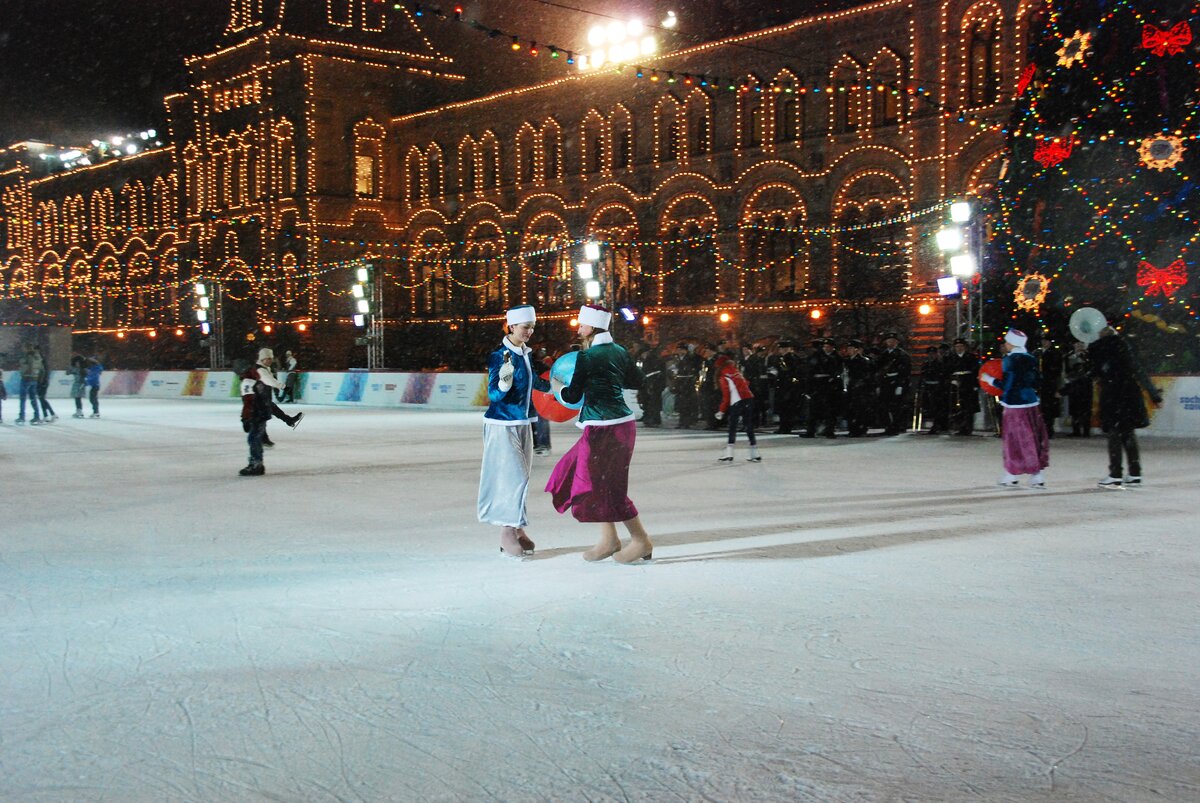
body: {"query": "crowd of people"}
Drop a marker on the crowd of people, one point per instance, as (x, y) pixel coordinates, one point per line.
(33, 367)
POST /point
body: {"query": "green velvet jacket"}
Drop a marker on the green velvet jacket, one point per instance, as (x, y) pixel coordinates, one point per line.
(601, 375)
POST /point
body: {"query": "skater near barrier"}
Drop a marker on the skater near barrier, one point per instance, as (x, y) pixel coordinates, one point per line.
(1122, 406)
(592, 479)
(1026, 445)
(258, 383)
(92, 380)
(507, 435)
(737, 403)
(77, 370)
(32, 367)
(43, 387)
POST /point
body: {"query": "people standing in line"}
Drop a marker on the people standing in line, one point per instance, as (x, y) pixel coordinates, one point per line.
(708, 393)
(540, 361)
(687, 371)
(592, 478)
(895, 370)
(860, 390)
(1078, 390)
(258, 406)
(31, 367)
(1122, 405)
(1050, 363)
(77, 370)
(825, 389)
(654, 369)
(1026, 445)
(507, 435)
(963, 369)
(737, 403)
(43, 387)
(92, 380)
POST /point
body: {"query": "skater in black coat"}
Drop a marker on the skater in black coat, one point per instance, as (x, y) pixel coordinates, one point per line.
(1122, 406)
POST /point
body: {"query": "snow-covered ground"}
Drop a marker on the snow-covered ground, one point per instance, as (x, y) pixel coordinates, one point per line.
(850, 620)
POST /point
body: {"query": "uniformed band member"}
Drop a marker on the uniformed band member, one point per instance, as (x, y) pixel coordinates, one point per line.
(1050, 363)
(654, 368)
(934, 406)
(785, 372)
(683, 384)
(824, 388)
(754, 368)
(894, 371)
(963, 370)
(860, 390)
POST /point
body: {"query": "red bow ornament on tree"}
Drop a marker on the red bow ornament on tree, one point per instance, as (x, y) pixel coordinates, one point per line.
(1162, 281)
(1162, 41)
(1026, 78)
(1051, 151)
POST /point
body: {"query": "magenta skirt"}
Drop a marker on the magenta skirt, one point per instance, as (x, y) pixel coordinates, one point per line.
(1026, 444)
(592, 478)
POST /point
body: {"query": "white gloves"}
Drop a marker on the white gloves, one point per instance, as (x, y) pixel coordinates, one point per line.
(899, 391)
(506, 374)
(720, 415)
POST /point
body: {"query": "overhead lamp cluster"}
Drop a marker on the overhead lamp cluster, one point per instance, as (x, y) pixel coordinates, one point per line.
(362, 301)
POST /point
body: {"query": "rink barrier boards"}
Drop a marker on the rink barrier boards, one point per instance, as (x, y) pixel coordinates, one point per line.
(1178, 417)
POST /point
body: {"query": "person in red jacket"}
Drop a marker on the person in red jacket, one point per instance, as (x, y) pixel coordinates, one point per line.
(737, 402)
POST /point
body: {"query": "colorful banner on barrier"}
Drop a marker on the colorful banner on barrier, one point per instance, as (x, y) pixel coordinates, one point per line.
(1179, 415)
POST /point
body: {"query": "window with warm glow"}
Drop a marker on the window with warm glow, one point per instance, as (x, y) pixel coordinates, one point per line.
(364, 175)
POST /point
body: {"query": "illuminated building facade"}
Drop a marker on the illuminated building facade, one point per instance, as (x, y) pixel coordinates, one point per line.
(803, 167)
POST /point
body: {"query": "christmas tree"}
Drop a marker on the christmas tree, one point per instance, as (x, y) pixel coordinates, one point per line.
(1097, 205)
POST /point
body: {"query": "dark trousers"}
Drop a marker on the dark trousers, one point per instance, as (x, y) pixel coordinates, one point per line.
(94, 398)
(541, 433)
(1123, 441)
(742, 412)
(258, 431)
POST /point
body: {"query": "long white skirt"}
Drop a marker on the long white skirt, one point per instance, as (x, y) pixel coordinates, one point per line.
(504, 477)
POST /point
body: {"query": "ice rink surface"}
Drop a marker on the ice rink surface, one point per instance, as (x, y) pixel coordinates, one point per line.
(851, 620)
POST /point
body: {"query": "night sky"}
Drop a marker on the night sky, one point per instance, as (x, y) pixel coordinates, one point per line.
(73, 70)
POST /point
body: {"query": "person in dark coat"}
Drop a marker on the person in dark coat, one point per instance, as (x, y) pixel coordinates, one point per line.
(860, 389)
(962, 369)
(685, 370)
(784, 369)
(825, 389)
(754, 368)
(934, 378)
(654, 368)
(1050, 362)
(1122, 405)
(1078, 390)
(895, 369)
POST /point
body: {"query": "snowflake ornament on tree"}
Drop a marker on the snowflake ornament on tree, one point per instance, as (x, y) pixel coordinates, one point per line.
(1074, 49)
(1162, 152)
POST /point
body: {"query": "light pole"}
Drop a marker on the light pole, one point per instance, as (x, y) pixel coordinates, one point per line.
(958, 241)
(208, 313)
(591, 272)
(368, 310)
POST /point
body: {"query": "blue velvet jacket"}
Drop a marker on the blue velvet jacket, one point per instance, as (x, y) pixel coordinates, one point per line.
(1021, 380)
(516, 406)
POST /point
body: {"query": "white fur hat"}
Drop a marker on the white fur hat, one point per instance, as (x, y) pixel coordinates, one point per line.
(264, 354)
(1016, 337)
(521, 314)
(595, 317)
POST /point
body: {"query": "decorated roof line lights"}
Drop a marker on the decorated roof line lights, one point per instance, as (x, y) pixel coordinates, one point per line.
(531, 46)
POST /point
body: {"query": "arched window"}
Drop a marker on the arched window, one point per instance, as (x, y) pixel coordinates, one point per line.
(526, 155)
(592, 141)
(751, 115)
(283, 176)
(467, 166)
(666, 129)
(435, 172)
(489, 154)
(886, 79)
(620, 125)
(368, 159)
(415, 182)
(698, 113)
(982, 46)
(552, 149)
(846, 83)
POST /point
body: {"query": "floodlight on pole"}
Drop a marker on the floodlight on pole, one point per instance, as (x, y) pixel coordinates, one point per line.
(591, 251)
(585, 271)
(204, 302)
(592, 289)
(960, 211)
(357, 291)
(962, 265)
(950, 239)
(363, 275)
(200, 289)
